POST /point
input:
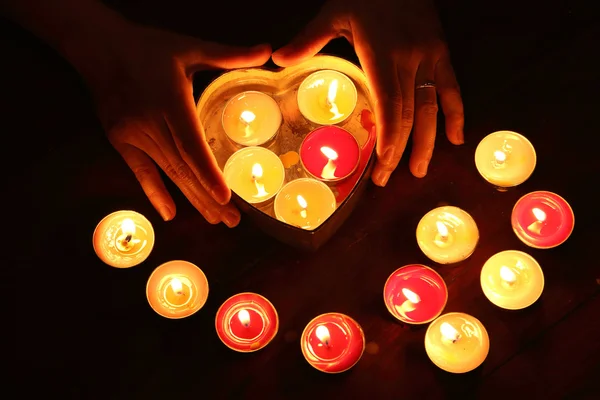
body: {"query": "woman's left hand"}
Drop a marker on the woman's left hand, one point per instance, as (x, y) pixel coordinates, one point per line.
(400, 46)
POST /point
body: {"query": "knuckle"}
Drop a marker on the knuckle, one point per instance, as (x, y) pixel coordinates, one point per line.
(143, 172)
(429, 108)
(408, 114)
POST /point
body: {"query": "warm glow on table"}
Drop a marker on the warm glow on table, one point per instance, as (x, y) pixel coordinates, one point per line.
(330, 153)
(251, 118)
(246, 322)
(415, 294)
(327, 97)
(254, 173)
(457, 342)
(123, 239)
(505, 158)
(177, 289)
(512, 279)
(332, 342)
(447, 235)
(305, 203)
(542, 219)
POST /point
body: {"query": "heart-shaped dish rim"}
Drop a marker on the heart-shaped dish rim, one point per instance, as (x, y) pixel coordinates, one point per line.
(271, 77)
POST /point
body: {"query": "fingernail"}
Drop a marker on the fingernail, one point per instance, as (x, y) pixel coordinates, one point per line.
(388, 156)
(381, 177)
(220, 195)
(460, 135)
(166, 213)
(422, 168)
(231, 218)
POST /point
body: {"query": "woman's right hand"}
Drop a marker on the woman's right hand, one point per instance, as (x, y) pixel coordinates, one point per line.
(141, 80)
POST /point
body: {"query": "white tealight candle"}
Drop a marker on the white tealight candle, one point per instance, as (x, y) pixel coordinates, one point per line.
(255, 174)
(505, 158)
(447, 235)
(251, 118)
(305, 203)
(327, 97)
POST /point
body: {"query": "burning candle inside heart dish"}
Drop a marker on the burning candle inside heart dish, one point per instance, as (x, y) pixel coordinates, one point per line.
(542, 219)
(332, 342)
(251, 118)
(305, 203)
(246, 322)
(123, 239)
(255, 174)
(415, 294)
(330, 153)
(327, 97)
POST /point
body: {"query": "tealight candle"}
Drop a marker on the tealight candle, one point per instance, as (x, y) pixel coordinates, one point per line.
(123, 239)
(254, 173)
(542, 219)
(251, 118)
(505, 158)
(447, 235)
(330, 153)
(327, 97)
(512, 280)
(305, 203)
(246, 322)
(415, 294)
(457, 342)
(177, 289)
(332, 342)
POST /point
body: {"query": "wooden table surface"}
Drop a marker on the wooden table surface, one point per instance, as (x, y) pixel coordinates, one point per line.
(84, 330)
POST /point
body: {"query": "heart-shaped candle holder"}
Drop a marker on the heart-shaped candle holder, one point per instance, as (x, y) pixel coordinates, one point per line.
(236, 92)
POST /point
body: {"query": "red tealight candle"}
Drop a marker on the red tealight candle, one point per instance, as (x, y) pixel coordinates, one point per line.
(542, 220)
(415, 294)
(332, 342)
(246, 322)
(330, 153)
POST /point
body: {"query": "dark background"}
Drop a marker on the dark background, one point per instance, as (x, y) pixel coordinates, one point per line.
(81, 329)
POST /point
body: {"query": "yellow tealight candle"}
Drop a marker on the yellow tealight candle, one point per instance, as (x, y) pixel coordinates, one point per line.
(447, 235)
(123, 239)
(505, 158)
(327, 97)
(177, 289)
(512, 280)
(457, 342)
(305, 203)
(254, 173)
(251, 118)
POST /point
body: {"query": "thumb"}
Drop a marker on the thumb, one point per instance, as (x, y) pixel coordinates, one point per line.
(323, 28)
(210, 54)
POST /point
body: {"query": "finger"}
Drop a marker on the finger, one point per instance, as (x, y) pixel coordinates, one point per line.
(146, 173)
(204, 54)
(167, 157)
(426, 109)
(452, 105)
(189, 139)
(322, 29)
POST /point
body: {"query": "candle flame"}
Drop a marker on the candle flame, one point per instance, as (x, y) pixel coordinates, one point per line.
(500, 156)
(411, 296)
(323, 334)
(257, 171)
(329, 153)
(247, 117)
(448, 332)
(302, 203)
(507, 274)
(128, 227)
(244, 317)
(331, 95)
(442, 229)
(176, 285)
(539, 214)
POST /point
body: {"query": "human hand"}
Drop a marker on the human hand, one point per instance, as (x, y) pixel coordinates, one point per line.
(400, 47)
(142, 85)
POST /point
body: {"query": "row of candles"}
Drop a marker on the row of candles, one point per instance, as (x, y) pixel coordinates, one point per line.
(414, 294)
(328, 154)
